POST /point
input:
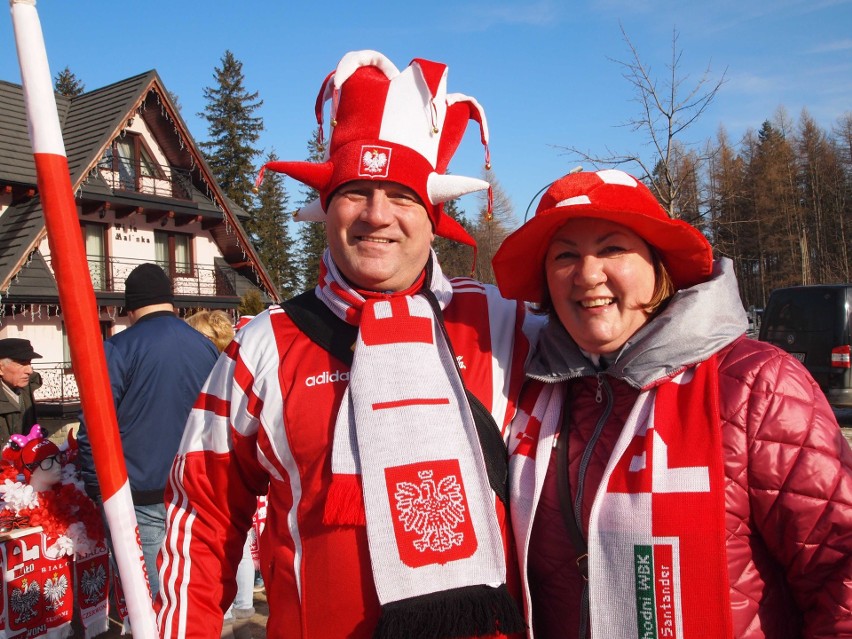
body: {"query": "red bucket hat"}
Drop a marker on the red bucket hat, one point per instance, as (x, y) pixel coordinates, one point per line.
(610, 195)
(389, 125)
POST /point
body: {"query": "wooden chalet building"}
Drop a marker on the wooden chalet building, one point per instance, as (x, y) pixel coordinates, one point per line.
(144, 194)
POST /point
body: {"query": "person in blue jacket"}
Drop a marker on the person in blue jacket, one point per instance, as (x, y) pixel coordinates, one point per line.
(156, 370)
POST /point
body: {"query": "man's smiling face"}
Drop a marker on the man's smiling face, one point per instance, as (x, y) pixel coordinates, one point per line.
(379, 234)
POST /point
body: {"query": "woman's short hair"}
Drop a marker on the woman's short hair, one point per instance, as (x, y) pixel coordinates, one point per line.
(215, 325)
(664, 288)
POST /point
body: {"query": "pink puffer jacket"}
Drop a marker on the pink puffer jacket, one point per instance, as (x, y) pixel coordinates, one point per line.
(788, 501)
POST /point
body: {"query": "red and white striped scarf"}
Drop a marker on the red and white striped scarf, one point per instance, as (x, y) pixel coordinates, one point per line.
(656, 536)
(407, 462)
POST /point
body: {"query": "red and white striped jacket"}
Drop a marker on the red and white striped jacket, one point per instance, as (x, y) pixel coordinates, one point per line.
(266, 417)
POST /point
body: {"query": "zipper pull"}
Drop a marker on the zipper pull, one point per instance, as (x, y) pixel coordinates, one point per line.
(599, 392)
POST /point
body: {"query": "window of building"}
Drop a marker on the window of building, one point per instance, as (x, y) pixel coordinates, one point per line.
(94, 239)
(174, 252)
(131, 160)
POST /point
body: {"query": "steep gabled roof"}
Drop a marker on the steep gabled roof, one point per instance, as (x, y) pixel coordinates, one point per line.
(20, 228)
(90, 122)
(34, 283)
(96, 117)
(16, 156)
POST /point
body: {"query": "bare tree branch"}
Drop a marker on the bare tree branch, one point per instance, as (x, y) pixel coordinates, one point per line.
(666, 110)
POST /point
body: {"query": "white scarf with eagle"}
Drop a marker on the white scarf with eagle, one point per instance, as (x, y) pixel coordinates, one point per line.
(406, 447)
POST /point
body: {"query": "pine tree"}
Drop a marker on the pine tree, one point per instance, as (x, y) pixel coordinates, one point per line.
(675, 183)
(490, 233)
(731, 228)
(251, 303)
(68, 84)
(312, 239)
(175, 100)
(777, 232)
(842, 138)
(232, 131)
(270, 235)
(821, 183)
(456, 259)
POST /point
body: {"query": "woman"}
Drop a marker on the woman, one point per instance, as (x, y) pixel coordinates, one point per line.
(215, 325)
(696, 478)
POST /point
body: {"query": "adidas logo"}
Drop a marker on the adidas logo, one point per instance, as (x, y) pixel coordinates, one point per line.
(327, 378)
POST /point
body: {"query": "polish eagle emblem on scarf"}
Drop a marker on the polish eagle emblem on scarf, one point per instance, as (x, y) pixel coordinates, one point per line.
(23, 601)
(432, 510)
(92, 584)
(375, 161)
(54, 590)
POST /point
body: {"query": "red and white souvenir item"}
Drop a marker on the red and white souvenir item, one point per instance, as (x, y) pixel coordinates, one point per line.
(656, 533)
(387, 124)
(41, 590)
(408, 463)
(610, 195)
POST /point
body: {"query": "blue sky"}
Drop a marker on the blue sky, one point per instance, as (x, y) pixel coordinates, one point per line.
(543, 70)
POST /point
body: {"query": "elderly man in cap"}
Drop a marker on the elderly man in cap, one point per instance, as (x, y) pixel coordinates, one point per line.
(156, 369)
(17, 407)
(373, 408)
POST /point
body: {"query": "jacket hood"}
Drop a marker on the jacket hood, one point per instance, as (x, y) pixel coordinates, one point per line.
(698, 321)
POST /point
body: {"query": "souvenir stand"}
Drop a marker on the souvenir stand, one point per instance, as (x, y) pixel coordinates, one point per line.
(55, 560)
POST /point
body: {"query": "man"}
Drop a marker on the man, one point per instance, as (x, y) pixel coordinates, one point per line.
(372, 408)
(156, 369)
(19, 382)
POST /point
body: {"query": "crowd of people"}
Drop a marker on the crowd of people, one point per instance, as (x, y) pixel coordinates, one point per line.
(596, 449)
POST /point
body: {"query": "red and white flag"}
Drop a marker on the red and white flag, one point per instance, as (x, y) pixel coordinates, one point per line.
(79, 311)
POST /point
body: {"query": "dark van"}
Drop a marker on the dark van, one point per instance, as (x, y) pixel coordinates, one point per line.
(812, 323)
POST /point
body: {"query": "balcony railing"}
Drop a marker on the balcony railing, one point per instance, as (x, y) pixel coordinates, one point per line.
(58, 384)
(154, 179)
(109, 275)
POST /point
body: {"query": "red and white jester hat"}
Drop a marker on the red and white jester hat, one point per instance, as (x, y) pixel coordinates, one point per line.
(607, 195)
(389, 125)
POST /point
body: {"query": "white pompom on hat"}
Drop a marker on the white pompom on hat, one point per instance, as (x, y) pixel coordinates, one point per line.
(396, 126)
(610, 195)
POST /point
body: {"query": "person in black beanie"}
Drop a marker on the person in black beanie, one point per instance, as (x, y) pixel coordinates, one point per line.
(147, 285)
(156, 370)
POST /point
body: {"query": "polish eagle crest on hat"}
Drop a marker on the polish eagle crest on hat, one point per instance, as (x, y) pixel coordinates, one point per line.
(375, 161)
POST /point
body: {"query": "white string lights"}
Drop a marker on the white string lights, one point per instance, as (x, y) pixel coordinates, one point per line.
(42, 311)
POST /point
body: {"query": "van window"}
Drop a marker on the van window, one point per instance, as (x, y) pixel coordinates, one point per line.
(803, 311)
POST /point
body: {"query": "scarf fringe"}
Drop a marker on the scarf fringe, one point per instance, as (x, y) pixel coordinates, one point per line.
(472, 611)
(96, 628)
(344, 505)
